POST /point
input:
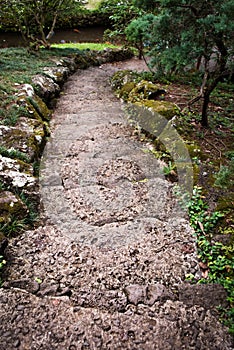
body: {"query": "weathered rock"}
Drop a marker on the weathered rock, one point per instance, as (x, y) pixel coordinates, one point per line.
(122, 77)
(147, 294)
(209, 296)
(31, 286)
(136, 293)
(45, 87)
(29, 140)
(144, 90)
(81, 61)
(35, 105)
(17, 174)
(58, 74)
(48, 289)
(157, 292)
(68, 62)
(111, 300)
(112, 55)
(164, 108)
(11, 206)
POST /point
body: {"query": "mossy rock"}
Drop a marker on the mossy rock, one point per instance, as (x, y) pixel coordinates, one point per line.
(164, 108)
(126, 90)
(36, 107)
(28, 141)
(58, 74)
(17, 175)
(144, 90)
(226, 202)
(114, 55)
(45, 88)
(11, 206)
(81, 62)
(123, 77)
(40, 108)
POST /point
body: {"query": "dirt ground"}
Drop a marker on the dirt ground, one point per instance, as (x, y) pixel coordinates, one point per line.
(106, 267)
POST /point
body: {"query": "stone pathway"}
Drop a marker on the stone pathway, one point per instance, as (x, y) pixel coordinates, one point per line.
(106, 270)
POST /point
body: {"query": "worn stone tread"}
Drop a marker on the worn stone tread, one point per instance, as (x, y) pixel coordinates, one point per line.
(106, 269)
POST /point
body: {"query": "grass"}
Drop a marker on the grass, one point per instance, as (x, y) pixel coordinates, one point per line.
(14, 154)
(18, 66)
(84, 46)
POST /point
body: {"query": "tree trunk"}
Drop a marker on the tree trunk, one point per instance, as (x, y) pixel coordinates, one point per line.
(204, 119)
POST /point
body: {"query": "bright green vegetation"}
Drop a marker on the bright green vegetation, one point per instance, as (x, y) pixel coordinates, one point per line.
(85, 46)
(218, 258)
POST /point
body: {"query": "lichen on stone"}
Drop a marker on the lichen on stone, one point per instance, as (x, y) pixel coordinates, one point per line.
(164, 108)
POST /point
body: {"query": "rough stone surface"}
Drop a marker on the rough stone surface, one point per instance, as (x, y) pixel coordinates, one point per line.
(46, 88)
(11, 205)
(17, 174)
(87, 279)
(26, 139)
(206, 295)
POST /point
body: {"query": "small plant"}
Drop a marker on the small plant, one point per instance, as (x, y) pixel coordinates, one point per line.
(13, 226)
(169, 169)
(225, 176)
(32, 216)
(2, 262)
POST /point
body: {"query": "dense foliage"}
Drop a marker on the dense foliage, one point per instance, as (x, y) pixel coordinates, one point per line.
(120, 14)
(188, 34)
(36, 20)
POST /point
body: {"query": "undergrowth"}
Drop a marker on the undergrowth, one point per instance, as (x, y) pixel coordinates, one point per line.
(217, 258)
(14, 154)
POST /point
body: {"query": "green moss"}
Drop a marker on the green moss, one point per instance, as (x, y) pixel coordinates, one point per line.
(81, 62)
(164, 108)
(143, 90)
(40, 108)
(123, 77)
(226, 202)
(195, 151)
(126, 90)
